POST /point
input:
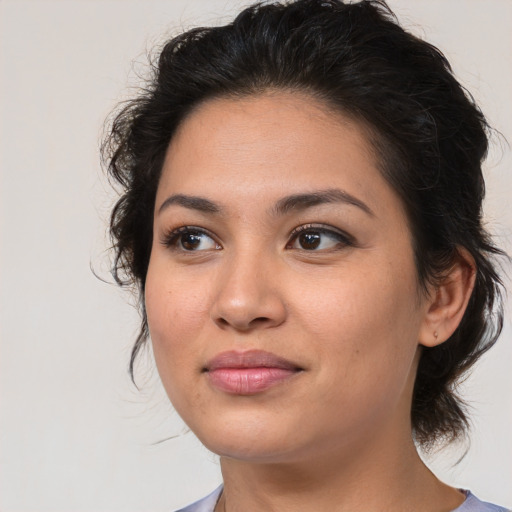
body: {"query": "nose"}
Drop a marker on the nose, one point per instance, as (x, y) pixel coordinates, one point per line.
(248, 295)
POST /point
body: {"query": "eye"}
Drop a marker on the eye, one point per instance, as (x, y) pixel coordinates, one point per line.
(317, 238)
(190, 239)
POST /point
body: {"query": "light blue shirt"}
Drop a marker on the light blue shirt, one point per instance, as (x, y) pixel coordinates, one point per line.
(471, 504)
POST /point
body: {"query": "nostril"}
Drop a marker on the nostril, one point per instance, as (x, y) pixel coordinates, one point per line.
(260, 320)
(245, 310)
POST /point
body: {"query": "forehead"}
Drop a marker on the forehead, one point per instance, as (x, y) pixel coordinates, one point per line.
(258, 146)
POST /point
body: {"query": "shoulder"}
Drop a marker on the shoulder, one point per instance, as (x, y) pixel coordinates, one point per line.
(206, 504)
(473, 504)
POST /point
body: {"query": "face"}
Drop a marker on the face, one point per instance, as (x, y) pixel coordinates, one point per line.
(281, 295)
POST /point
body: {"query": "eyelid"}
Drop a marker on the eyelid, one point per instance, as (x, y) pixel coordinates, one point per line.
(170, 236)
(322, 228)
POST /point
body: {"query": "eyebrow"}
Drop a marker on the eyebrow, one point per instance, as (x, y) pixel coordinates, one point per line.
(295, 202)
(303, 201)
(191, 202)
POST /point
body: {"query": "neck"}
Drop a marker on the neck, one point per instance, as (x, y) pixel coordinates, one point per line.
(373, 477)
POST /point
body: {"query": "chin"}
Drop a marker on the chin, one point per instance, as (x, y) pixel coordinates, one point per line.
(247, 440)
(251, 450)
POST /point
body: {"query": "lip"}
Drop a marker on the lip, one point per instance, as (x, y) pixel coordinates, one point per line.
(249, 372)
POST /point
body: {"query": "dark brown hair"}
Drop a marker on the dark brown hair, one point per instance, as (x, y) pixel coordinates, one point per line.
(430, 136)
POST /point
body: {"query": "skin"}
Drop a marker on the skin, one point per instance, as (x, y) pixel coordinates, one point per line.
(337, 435)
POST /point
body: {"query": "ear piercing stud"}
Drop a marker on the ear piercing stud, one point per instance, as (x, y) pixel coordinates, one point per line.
(436, 334)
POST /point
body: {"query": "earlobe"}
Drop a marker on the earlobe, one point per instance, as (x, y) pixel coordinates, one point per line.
(448, 301)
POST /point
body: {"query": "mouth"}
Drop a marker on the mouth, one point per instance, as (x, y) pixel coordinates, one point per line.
(249, 372)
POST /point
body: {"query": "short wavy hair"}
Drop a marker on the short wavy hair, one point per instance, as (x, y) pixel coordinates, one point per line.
(429, 136)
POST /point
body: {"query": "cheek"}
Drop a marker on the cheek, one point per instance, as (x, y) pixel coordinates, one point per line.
(357, 299)
(364, 324)
(176, 313)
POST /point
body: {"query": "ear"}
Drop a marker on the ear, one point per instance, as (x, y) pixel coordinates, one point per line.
(448, 301)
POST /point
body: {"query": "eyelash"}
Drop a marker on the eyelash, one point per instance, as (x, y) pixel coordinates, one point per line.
(171, 239)
(343, 239)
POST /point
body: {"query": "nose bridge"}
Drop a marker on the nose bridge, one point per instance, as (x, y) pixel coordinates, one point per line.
(248, 295)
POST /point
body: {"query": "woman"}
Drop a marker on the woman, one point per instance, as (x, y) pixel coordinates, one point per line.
(302, 216)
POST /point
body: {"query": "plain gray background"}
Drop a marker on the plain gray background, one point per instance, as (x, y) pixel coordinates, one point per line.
(75, 435)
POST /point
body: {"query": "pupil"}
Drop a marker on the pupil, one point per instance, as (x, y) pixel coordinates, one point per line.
(309, 240)
(190, 241)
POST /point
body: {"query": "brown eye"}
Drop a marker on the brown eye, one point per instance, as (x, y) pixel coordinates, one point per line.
(309, 241)
(196, 241)
(312, 238)
(190, 240)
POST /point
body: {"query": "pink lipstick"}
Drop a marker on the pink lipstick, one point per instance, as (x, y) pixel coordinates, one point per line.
(248, 373)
